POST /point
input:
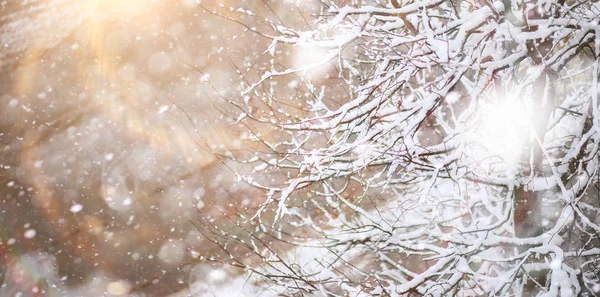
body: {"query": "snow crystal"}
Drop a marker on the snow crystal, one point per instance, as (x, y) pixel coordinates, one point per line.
(30, 233)
(118, 288)
(217, 275)
(76, 208)
(163, 109)
(190, 3)
(135, 256)
(293, 84)
(199, 193)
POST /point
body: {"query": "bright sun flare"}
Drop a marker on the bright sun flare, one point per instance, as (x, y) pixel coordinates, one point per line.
(504, 128)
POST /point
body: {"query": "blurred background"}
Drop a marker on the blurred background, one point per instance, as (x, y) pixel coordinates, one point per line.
(108, 121)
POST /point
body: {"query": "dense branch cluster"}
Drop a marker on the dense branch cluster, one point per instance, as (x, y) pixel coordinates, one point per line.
(382, 172)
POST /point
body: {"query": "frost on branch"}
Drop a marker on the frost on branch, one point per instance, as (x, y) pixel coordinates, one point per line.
(425, 148)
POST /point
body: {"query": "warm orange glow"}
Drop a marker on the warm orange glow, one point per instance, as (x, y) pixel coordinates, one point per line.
(119, 8)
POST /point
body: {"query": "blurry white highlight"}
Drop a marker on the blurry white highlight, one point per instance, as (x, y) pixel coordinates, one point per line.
(504, 129)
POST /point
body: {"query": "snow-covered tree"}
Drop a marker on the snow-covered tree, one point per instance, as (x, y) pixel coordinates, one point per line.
(422, 148)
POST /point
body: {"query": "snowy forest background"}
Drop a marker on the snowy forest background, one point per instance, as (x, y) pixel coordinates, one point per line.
(299, 148)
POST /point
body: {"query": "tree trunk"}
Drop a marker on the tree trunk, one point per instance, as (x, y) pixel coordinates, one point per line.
(527, 204)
